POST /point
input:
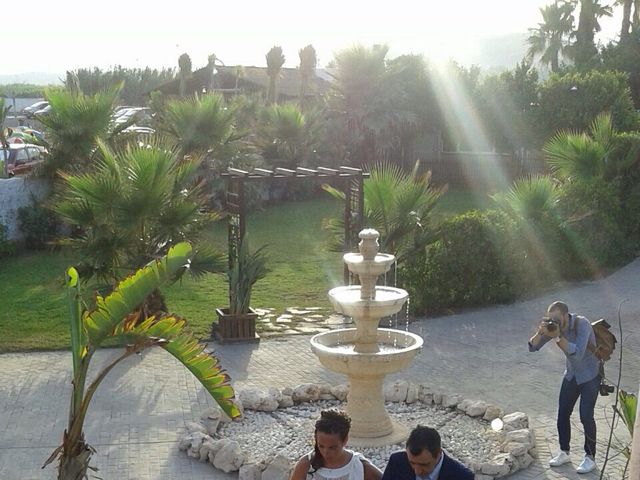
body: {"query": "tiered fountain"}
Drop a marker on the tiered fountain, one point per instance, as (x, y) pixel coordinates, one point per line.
(366, 354)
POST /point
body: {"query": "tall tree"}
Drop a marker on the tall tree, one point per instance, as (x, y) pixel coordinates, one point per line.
(584, 50)
(275, 61)
(307, 69)
(184, 65)
(626, 18)
(550, 39)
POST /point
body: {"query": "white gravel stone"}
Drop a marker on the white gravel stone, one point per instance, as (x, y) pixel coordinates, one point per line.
(229, 458)
(476, 409)
(515, 421)
(249, 471)
(451, 401)
(412, 393)
(306, 392)
(396, 391)
(340, 391)
(210, 420)
(278, 469)
(425, 394)
(492, 413)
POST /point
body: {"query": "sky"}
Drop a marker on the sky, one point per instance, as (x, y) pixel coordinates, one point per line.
(69, 34)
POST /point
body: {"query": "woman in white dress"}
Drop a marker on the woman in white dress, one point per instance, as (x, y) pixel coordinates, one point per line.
(329, 460)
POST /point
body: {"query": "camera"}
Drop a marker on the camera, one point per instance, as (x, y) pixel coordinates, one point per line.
(606, 389)
(550, 323)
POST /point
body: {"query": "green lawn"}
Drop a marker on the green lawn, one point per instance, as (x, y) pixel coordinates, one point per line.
(457, 201)
(33, 308)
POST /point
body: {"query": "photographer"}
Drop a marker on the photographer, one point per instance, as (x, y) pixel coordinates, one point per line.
(572, 334)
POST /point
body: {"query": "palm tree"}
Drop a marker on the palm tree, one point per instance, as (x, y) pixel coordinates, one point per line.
(398, 204)
(307, 69)
(4, 110)
(626, 18)
(184, 65)
(275, 61)
(550, 40)
(135, 204)
(201, 124)
(582, 156)
(530, 198)
(74, 125)
(584, 49)
(111, 319)
(286, 137)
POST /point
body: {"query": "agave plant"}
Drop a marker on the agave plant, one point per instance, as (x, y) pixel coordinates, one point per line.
(248, 268)
(115, 318)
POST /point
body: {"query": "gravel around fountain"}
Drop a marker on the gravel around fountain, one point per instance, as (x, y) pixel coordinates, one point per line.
(276, 429)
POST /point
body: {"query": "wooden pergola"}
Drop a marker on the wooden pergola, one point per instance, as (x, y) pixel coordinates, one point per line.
(349, 179)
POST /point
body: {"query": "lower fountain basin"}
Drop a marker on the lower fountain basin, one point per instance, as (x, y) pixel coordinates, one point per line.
(388, 301)
(335, 351)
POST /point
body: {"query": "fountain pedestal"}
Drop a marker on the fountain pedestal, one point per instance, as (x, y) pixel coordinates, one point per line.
(366, 354)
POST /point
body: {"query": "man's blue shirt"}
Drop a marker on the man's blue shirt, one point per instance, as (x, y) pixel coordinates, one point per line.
(581, 363)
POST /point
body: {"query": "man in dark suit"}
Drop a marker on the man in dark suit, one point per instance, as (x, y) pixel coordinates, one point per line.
(423, 459)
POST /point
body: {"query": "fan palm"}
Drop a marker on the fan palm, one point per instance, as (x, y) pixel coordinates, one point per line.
(582, 156)
(530, 198)
(397, 204)
(74, 125)
(111, 319)
(132, 207)
(201, 124)
(285, 137)
(275, 61)
(308, 62)
(551, 38)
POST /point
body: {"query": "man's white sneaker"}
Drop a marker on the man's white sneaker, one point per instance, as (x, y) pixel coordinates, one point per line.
(587, 465)
(560, 459)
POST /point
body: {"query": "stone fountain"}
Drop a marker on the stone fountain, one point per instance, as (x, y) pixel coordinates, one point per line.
(366, 354)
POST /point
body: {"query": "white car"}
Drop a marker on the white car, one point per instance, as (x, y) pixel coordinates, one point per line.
(31, 109)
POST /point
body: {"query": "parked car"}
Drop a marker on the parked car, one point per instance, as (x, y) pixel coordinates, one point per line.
(31, 109)
(22, 157)
(141, 116)
(43, 111)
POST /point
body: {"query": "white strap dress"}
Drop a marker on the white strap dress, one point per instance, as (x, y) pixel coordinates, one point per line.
(353, 470)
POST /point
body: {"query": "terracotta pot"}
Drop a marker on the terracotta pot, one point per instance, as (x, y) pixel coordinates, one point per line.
(236, 327)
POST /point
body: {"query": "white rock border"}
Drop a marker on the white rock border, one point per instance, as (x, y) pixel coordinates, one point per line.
(517, 447)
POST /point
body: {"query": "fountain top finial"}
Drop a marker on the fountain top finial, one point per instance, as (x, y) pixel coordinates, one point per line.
(368, 245)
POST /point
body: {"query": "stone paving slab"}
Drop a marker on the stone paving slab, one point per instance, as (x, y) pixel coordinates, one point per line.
(142, 406)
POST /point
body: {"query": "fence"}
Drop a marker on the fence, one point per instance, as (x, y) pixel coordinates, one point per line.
(485, 171)
(15, 193)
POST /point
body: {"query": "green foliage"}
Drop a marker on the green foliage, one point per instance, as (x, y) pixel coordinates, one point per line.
(470, 264)
(7, 247)
(396, 203)
(38, 225)
(624, 56)
(572, 101)
(286, 138)
(132, 207)
(594, 216)
(201, 124)
(136, 82)
(116, 317)
(248, 268)
(74, 125)
(627, 410)
(530, 198)
(23, 90)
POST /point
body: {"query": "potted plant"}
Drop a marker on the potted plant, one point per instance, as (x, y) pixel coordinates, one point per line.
(237, 323)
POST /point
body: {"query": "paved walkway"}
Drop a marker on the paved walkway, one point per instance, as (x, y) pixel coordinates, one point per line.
(141, 408)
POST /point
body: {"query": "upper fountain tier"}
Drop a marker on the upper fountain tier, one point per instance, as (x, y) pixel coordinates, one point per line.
(368, 264)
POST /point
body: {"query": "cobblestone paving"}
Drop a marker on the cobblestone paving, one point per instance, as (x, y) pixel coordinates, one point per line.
(143, 404)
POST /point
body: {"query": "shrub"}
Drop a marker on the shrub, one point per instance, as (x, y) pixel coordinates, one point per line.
(595, 224)
(6, 246)
(472, 263)
(38, 226)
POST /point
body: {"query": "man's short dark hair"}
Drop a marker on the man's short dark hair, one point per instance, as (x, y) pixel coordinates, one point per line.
(424, 438)
(560, 306)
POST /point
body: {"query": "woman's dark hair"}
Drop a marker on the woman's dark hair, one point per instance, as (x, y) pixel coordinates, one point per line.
(333, 422)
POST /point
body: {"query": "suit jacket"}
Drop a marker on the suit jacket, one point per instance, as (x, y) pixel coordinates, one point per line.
(399, 468)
